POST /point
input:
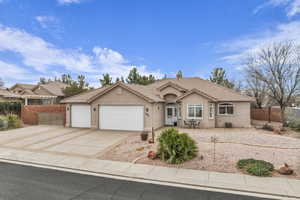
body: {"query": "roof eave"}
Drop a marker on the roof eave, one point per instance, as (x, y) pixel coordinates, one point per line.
(150, 100)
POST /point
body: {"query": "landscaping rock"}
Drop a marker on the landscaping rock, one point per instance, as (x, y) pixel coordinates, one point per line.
(152, 155)
(285, 170)
(140, 148)
(278, 131)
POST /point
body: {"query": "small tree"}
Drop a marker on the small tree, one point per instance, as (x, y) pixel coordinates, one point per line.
(218, 76)
(66, 78)
(76, 87)
(133, 76)
(179, 74)
(255, 87)
(279, 68)
(106, 79)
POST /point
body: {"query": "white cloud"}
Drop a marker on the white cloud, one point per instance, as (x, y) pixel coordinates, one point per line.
(238, 50)
(116, 65)
(44, 21)
(292, 7)
(14, 72)
(45, 57)
(64, 2)
(39, 54)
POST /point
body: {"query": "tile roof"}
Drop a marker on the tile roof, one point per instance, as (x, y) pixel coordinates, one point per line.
(55, 88)
(24, 86)
(212, 90)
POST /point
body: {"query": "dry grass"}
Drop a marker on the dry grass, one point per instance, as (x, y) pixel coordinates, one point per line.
(232, 145)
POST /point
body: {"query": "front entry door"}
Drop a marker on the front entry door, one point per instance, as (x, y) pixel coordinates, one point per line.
(171, 114)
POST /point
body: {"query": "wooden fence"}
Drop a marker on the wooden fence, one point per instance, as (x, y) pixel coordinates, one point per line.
(266, 114)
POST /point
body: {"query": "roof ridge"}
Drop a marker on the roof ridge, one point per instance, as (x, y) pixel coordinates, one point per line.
(223, 87)
(82, 93)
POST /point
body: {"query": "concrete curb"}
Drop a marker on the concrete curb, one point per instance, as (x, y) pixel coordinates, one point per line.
(153, 181)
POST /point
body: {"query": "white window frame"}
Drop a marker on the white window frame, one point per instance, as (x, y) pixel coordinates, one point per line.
(194, 105)
(226, 113)
(211, 111)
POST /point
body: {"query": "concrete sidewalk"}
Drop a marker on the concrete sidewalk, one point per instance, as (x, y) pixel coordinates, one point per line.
(277, 188)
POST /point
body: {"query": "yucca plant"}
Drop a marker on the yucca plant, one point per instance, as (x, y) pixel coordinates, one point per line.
(175, 147)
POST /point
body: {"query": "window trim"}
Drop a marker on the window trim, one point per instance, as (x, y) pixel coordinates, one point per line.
(226, 114)
(211, 105)
(194, 105)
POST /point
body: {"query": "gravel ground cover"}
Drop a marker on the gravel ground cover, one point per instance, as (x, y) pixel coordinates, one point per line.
(232, 145)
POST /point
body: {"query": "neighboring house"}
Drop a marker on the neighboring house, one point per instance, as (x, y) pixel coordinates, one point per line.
(50, 93)
(169, 101)
(6, 95)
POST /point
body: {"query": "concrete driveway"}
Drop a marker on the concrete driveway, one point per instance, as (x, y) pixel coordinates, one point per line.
(60, 140)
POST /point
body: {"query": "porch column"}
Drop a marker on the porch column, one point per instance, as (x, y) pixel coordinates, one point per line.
(26, 101)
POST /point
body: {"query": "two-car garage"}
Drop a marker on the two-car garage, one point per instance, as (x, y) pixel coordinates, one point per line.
(111, 117)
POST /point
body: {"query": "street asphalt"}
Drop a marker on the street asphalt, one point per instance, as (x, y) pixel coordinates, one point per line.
(32, 183)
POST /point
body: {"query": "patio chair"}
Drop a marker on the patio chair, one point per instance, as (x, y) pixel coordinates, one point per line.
(187, 124)
(198, 124)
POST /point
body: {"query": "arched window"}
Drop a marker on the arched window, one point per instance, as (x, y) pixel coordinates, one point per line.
(226, 109)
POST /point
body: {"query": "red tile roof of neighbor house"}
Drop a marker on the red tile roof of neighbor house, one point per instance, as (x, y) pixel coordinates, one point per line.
(150, 92)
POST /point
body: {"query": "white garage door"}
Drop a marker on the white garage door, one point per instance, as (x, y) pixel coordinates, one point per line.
(81, 116)
(129, 118)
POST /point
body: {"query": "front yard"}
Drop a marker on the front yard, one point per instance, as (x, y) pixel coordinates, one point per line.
(231, 145)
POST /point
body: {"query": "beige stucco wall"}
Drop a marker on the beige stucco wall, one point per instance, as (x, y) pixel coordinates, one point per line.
(158, 116)
(197, 99)
(241, 117)
(68, 115)
(120, 96)
(155, 116)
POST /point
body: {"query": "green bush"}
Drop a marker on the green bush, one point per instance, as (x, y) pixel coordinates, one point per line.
(175, 147)
(295, 125)
(10, 107)
(3, 123)
(256, 167)
(13, 121)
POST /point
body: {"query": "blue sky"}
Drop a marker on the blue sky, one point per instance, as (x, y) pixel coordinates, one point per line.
(45, 38)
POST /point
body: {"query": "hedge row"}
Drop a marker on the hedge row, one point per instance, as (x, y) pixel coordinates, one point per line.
(10, 108)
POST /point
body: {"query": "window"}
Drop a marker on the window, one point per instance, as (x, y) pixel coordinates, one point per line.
(211, 111)
(225, 109)
(195, 111)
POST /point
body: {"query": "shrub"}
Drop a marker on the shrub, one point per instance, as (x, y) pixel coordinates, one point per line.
(13, 121)
(228, 125)
(10, 107)
(3, 123)
(295, 125)
(256, 167)
(268, 127)
(175, 147)
(241, 164)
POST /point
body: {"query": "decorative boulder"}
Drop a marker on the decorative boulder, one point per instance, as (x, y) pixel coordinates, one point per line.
(151, 141)
(152, 155)
(285, 170)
